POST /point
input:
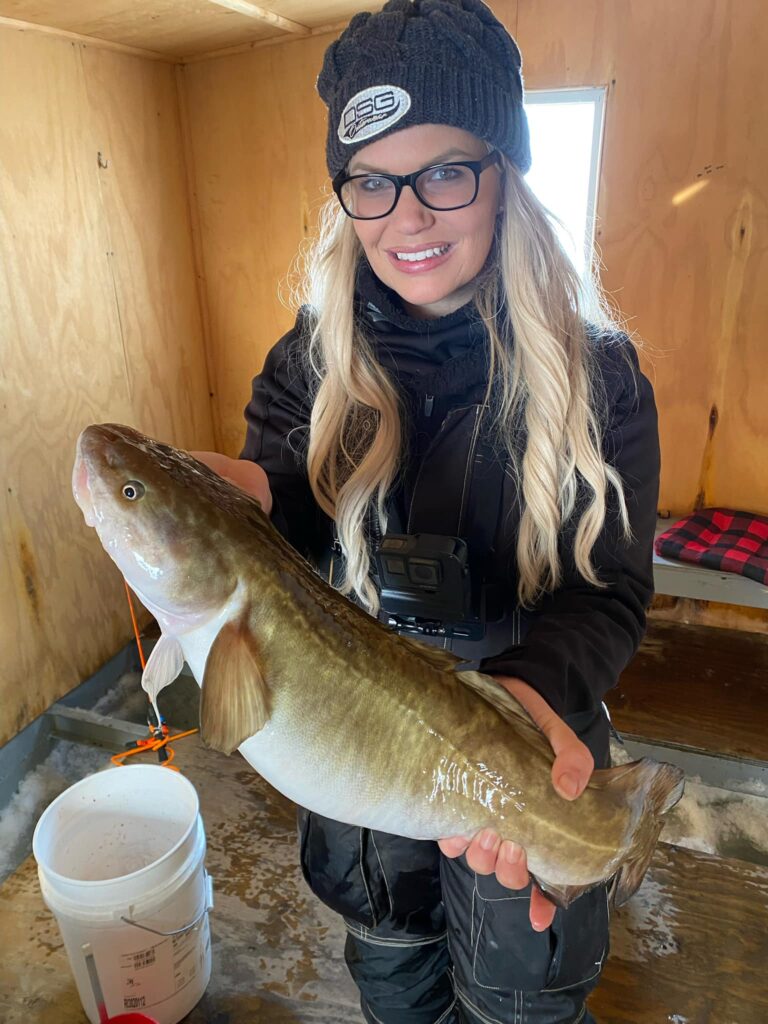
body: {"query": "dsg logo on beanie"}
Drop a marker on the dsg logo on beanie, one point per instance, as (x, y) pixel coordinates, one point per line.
(414, 62)
(372, 111)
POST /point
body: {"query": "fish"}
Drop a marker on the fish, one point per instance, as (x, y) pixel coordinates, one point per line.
(333, 708)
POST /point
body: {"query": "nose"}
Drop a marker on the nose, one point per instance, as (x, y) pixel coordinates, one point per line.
(410, 215)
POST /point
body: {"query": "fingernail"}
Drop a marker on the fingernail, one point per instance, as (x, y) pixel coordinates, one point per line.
(568, 785)
(487, 840)
(512, 853)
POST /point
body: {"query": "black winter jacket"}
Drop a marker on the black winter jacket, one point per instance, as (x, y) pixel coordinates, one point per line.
(574, 644)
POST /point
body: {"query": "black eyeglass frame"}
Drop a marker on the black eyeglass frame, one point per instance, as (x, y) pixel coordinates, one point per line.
(400, 180)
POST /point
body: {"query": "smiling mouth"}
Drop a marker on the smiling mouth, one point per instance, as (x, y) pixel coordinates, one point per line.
(419, 255)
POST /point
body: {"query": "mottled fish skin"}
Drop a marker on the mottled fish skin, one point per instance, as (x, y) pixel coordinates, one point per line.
(359, 724)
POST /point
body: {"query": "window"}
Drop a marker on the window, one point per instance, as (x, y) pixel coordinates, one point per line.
(566, 129)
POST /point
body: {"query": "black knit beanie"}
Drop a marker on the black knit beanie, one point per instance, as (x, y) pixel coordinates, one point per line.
(446, 62)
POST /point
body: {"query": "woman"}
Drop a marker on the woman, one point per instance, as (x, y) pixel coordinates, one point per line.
(449, 374)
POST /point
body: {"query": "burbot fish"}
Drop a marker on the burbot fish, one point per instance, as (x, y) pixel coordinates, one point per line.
(336, 711)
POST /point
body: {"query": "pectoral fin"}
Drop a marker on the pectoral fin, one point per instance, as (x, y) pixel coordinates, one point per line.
(163, 666)
(235, 700)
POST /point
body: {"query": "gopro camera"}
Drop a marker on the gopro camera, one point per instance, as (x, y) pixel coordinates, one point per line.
(426, 586)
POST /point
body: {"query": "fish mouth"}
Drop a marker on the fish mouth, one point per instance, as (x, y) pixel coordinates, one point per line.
(91, 449)
(80, 484)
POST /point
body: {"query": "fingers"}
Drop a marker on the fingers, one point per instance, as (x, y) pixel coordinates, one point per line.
(542, 910)
(483, 852)
(572, 770)
(573, 763)
(453, 847)
(512, 866)
(487, 853)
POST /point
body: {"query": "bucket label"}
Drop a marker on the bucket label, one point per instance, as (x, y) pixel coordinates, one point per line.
(163, 968)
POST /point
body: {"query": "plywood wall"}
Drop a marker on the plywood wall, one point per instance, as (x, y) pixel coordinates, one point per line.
(257, 144)
(683, 213)
(99, 321)
(685, 111)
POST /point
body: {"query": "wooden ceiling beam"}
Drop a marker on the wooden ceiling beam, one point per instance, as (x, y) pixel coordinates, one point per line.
(76, 37)
(231, 51)
(264, 16)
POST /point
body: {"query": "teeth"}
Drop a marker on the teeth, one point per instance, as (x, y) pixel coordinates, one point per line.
(414, 257)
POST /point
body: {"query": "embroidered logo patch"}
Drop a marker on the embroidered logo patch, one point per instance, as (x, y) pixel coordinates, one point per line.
(372, 111)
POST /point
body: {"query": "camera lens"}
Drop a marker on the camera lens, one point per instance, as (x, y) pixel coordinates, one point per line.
(424, 572)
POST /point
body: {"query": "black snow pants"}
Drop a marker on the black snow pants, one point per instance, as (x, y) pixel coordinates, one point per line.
(431, 942)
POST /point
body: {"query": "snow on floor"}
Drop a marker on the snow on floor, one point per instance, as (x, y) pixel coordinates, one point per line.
(718, 821)
(714, 820)
(66, 764)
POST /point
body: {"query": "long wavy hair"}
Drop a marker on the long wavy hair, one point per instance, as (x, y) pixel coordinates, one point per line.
(544, 392)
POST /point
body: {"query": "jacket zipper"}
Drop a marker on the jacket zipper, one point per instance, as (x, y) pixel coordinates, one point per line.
(479, 410)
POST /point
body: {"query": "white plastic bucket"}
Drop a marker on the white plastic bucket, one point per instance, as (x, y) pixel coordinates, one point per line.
(120, 859)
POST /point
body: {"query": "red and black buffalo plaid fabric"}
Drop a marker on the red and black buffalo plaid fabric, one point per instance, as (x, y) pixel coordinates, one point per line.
(719, 538)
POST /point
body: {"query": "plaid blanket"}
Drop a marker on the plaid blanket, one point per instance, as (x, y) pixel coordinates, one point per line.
(719, 538)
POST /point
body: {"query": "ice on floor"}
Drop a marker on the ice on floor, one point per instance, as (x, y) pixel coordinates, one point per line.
(66, 764)
(714, 820)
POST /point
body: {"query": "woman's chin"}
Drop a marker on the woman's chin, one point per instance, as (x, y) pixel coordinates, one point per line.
(430, 304)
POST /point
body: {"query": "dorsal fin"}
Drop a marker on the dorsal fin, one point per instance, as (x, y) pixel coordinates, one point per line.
(499, 698)
(445, 661)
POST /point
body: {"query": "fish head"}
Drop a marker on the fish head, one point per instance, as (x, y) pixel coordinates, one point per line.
(158, 514)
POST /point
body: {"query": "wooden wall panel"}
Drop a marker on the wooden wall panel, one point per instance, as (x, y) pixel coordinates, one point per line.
(682, 215)
(143, 193)
(98, 321)
(685, 111)
(257, 134)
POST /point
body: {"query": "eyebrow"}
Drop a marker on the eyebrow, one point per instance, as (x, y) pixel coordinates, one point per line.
(435, 160)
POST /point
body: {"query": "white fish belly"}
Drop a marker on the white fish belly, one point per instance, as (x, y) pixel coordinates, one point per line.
(288, 754)
(335, 779)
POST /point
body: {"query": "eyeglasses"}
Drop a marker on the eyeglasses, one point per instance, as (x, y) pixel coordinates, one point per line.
(440, 187)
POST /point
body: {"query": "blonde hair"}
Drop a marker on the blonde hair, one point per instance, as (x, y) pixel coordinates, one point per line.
(542, 385)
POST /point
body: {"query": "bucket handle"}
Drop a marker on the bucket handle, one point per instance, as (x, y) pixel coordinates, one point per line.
(187, 927)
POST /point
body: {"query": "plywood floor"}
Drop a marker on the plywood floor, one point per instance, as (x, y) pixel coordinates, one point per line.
(697, 686)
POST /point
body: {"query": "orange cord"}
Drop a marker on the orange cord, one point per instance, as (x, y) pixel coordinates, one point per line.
(153, 742)
(143, 746)
(142, 659)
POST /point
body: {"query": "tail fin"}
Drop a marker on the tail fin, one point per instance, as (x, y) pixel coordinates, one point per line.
(650, 788)
(659, 786)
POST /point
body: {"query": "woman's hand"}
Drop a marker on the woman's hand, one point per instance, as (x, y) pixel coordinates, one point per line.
(246, 475)
(486, 852)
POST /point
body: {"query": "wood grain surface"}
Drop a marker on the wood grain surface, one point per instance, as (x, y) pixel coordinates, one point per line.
(98, 322)
(682, 215)
(697, 686)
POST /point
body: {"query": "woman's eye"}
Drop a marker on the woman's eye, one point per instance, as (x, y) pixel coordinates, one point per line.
(445, 173)
(133, 490)
(375, 184)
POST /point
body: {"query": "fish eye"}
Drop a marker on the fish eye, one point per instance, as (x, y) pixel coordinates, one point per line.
(133, 490)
